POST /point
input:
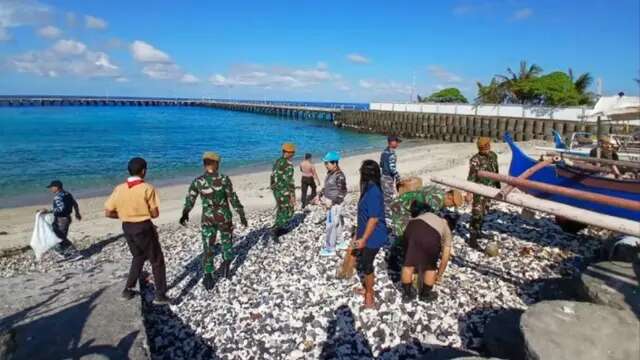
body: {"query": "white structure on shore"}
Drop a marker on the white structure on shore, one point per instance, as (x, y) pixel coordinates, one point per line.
(608, 107)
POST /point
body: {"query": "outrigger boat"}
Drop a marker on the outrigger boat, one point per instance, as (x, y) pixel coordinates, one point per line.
(581, 144)
(560, 173)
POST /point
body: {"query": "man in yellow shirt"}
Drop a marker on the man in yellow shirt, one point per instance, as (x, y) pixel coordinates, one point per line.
(135, 203)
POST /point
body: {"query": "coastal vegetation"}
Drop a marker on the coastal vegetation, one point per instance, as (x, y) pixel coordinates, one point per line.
(448, 95)
(528, 86)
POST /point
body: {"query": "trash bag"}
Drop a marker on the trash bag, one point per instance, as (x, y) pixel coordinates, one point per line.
(43, 237)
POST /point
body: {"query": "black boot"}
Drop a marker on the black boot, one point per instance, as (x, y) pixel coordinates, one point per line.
(408, 293)
(226, 269)
(275, 234)
(427, 294)
(473, 241)
(207, 281)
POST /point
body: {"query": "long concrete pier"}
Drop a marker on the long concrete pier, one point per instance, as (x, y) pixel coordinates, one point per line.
(285, 109)
(437, 126)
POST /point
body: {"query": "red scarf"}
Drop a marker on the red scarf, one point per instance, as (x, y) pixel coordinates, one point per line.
(133, 181)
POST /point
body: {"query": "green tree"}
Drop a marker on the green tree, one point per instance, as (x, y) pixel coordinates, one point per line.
(554, 89)
(448, 95)
(492, 93)
(508, 84)
(581, 85)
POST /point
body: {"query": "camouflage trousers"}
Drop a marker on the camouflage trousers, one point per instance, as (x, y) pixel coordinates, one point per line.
(388, 185)
(479, 208)
(209, 233)
(284, 210)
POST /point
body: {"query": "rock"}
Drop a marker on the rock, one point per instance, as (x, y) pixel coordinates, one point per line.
(612, 283)
(626, 249)
(7, 344)
(4, 233)
(502, 336)
(492, 249)
(566, 330)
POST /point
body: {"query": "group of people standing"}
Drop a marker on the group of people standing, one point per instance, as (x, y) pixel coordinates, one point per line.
(386, 208)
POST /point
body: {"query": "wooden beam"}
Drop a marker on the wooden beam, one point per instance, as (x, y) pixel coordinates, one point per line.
(604, 221)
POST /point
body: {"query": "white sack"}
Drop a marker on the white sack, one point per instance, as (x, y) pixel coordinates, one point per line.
(43, 237)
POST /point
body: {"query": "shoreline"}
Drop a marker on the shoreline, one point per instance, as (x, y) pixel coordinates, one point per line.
(444, 159)
(180, 178)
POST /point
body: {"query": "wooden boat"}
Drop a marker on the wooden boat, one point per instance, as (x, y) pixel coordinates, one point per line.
(560, 174)
(582, 143)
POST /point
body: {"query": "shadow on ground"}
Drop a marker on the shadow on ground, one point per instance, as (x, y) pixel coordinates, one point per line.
(64, 333)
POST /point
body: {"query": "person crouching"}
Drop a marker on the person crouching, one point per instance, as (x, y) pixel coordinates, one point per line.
(428, 239)
(371, 233)
(332, 196)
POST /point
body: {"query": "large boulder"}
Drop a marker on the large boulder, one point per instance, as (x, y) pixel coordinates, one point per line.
(612, 283)
(567, 330)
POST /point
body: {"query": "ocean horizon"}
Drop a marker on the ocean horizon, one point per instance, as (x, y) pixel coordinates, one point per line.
(87, 147)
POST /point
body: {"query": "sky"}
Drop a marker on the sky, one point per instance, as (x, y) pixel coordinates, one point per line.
(348, 51)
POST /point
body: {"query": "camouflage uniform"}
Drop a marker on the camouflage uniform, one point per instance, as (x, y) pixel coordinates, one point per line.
(216, 191)
(485, 162)
(431, 195)
(283, 189)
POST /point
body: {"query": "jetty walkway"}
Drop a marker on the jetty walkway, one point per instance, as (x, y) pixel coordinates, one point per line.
(293, 110)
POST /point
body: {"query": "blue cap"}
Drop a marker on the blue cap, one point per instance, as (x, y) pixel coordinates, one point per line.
(331, 156)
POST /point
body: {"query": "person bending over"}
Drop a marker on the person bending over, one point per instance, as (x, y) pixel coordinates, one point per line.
(428, 240)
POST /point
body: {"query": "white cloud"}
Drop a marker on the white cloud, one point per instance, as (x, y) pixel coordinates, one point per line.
(65, 57)
(443, 75)
(146, 53)
(16, 13)
(521, 14)
(49, 32)
(389, 87)
(189, 79)
(322, 65)
(358, 59)
(69, 47)
(121, 79)
(275, 76)
(92, 22)
(157, 64)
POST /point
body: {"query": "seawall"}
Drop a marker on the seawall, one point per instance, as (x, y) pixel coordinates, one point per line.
(464, 128)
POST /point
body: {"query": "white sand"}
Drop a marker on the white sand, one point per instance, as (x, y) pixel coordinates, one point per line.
(253, 189)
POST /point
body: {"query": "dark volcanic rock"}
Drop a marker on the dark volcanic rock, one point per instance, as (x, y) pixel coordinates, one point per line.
(502, 335)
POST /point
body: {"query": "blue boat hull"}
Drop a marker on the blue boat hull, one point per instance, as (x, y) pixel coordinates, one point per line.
(555, 175)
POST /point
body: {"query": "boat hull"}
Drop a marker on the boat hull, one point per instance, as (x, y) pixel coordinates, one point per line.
(571, 178)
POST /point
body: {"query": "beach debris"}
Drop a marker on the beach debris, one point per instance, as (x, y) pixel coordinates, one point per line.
(301, 304)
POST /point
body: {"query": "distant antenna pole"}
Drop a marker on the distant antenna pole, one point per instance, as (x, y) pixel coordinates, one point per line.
(599, 86)
(413, 87)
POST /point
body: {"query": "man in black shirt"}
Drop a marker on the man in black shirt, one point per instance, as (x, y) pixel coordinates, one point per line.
(63, 205)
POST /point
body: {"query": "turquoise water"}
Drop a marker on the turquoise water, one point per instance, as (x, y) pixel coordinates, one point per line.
(88, 147)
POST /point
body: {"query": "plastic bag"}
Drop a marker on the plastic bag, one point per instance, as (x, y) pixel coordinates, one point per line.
(43, 237)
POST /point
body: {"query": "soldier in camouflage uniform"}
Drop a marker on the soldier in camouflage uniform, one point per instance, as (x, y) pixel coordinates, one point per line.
(485, 160)
(284, 190)
(216, 192)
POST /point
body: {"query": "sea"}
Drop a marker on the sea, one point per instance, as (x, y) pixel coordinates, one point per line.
(87, 148)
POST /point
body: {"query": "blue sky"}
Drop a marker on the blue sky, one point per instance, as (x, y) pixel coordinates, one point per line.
(304, 50)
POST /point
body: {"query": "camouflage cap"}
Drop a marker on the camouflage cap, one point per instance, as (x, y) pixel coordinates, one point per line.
(210, 155)
(483, 142)
(288, 147)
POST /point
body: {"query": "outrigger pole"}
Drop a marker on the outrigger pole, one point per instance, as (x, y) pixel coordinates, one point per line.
(604, 221)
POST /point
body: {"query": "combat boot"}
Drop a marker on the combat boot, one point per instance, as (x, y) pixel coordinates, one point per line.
(473, 241)
(275, 235)
(226, 269)
(207, 281)
(427, 294)
(408, 293)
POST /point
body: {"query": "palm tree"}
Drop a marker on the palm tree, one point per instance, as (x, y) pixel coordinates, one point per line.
(507, 82)
(581, 84)
(490, 94)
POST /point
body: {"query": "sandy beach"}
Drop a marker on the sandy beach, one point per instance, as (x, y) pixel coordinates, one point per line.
(450, 159)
